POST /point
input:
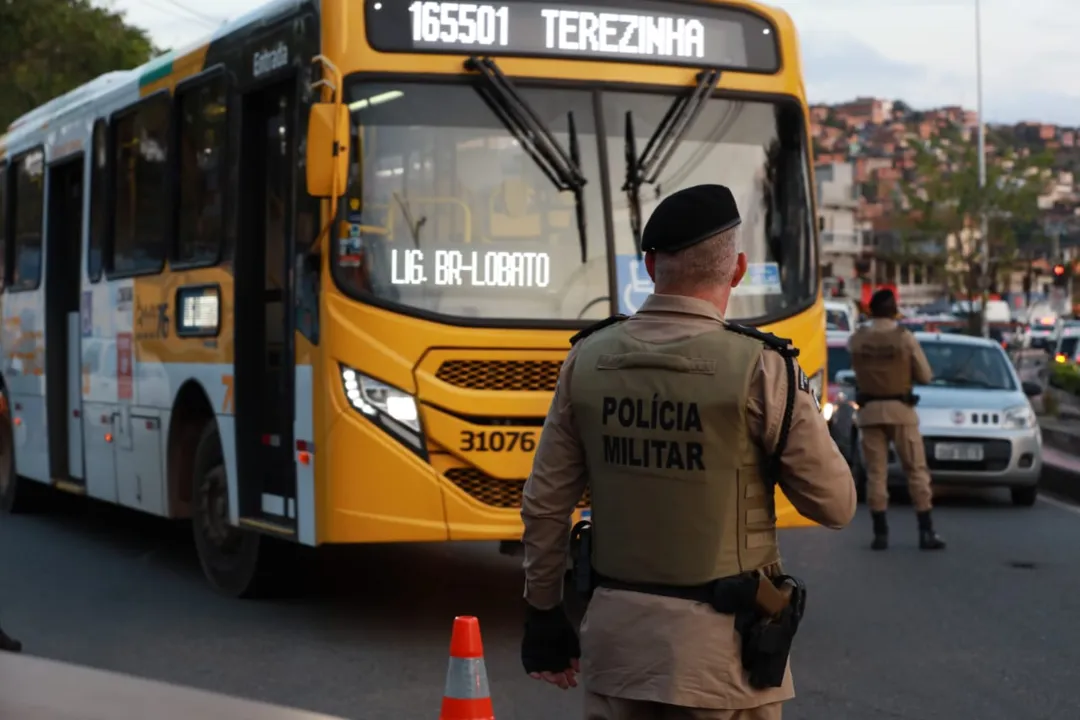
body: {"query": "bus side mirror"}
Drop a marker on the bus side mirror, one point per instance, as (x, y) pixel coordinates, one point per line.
(327, 150)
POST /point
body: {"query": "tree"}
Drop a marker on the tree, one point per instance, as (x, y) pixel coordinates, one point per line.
(53, 46)
(945, 200)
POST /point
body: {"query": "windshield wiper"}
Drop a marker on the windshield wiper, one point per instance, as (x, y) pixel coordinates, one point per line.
(673, 128)
(562, 168)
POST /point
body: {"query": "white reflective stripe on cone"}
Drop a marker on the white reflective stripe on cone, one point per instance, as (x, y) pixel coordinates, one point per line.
(466, 679)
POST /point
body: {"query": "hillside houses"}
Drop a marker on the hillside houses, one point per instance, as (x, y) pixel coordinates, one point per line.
(865, 151)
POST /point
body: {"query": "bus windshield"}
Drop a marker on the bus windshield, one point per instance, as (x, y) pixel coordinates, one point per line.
(454, 217)
(756, 149)
(450, 215)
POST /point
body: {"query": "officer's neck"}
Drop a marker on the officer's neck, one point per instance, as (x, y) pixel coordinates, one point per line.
(717, 297)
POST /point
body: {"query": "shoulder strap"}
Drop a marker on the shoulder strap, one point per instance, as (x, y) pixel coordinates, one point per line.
(617, 318)
(789, 353)
(773, 342)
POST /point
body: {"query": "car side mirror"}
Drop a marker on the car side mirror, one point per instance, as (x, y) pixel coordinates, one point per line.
(845, 377)
(1031, 389)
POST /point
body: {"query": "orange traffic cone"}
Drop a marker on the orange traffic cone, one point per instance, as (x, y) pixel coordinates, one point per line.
(467, 695)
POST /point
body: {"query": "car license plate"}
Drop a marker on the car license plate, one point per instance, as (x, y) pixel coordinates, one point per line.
(958, 452)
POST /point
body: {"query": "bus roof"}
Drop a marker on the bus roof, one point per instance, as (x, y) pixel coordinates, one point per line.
(117, 81)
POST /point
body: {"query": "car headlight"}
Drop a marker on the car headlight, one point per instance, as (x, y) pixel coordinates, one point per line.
(1019, 417)
(817, 386)
(388, 407)
(828, 411)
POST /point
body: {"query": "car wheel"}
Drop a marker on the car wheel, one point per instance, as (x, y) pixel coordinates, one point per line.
(1024, 496)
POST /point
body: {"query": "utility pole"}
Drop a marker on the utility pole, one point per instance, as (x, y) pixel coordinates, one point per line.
(984, 225)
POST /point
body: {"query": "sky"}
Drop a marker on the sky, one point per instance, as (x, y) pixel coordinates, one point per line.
(920, 51)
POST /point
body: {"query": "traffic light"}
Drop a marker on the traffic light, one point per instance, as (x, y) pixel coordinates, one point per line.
(1059, 276)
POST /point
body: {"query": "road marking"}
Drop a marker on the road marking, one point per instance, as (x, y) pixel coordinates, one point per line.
(1060, 504)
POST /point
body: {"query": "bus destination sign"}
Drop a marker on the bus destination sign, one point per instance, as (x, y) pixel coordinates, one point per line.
(630, 30)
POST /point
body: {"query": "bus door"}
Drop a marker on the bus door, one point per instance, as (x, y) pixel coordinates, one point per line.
(63, 384)
(264, 337)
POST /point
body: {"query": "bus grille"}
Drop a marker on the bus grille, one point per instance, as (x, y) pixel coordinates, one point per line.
(530, 375)
(494, 492)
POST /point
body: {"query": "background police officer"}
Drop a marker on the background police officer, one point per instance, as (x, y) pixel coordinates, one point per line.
(668, 417)
(888, 361)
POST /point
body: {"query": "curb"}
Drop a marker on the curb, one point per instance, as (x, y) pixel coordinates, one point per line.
(1056, 479)
(1061, 440)
(1060, 481)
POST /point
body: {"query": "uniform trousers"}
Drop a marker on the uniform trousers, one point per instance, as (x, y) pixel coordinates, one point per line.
(909, 449)
(603, 707)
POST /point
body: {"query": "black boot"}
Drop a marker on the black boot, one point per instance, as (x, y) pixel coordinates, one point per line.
(928, 539)
(881, 531)
(9, 644)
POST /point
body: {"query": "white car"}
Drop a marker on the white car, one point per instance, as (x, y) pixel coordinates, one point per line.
(978, 426)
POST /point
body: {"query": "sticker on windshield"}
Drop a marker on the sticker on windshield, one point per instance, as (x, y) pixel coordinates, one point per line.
(760, 279)
(634, 283)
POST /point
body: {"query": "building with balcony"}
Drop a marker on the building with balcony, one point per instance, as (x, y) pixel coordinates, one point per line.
(843, 238)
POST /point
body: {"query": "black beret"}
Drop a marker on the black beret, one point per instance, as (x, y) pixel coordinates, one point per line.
(690, 216)
(881, 298)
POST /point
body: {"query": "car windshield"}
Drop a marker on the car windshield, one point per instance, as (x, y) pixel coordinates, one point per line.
(968, 365)
(836, 320)
(452, 216)
(839, 359)
(757, 150)
(1068, 346)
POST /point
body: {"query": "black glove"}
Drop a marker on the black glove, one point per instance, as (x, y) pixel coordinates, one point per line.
(550, 641)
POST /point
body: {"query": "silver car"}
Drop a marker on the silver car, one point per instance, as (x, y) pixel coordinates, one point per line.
(976, 419)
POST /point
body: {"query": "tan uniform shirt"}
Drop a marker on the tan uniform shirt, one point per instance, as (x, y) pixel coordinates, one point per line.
(893, 412)
(659, 649)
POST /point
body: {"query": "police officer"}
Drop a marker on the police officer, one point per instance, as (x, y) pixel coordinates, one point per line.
(671, 418)
(9, 644)
(888, 361)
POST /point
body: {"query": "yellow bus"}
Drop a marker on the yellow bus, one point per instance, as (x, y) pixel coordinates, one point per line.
(311, 281)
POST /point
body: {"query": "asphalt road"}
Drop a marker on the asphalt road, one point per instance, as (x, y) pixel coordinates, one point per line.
(986, 629)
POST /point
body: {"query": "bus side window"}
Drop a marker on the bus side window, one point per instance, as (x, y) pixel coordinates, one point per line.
(141, 158)
(28, 207)
(203, 132)
(3, 224)
(99, 200)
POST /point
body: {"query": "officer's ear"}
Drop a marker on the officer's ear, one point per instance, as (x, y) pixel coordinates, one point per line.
(650, 264)
(740, 269)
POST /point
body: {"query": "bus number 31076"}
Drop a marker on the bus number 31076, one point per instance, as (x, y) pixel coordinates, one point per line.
(497, 441)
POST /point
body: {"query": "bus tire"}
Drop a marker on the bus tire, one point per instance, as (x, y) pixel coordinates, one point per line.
(229, 555)
(16, 495)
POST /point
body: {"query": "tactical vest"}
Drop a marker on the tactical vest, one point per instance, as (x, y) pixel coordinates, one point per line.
(882, 362)
(678, 496)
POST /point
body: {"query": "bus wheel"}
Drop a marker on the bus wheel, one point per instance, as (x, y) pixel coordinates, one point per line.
(229, 555)
(15, 496)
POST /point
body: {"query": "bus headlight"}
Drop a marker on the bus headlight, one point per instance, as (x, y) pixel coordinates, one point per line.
(392, 409)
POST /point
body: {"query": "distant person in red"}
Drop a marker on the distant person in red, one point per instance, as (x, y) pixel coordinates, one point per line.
(9, 644)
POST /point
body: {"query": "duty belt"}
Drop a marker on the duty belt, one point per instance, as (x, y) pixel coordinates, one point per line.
(729, 595)
(907, 398)
(767, 615)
